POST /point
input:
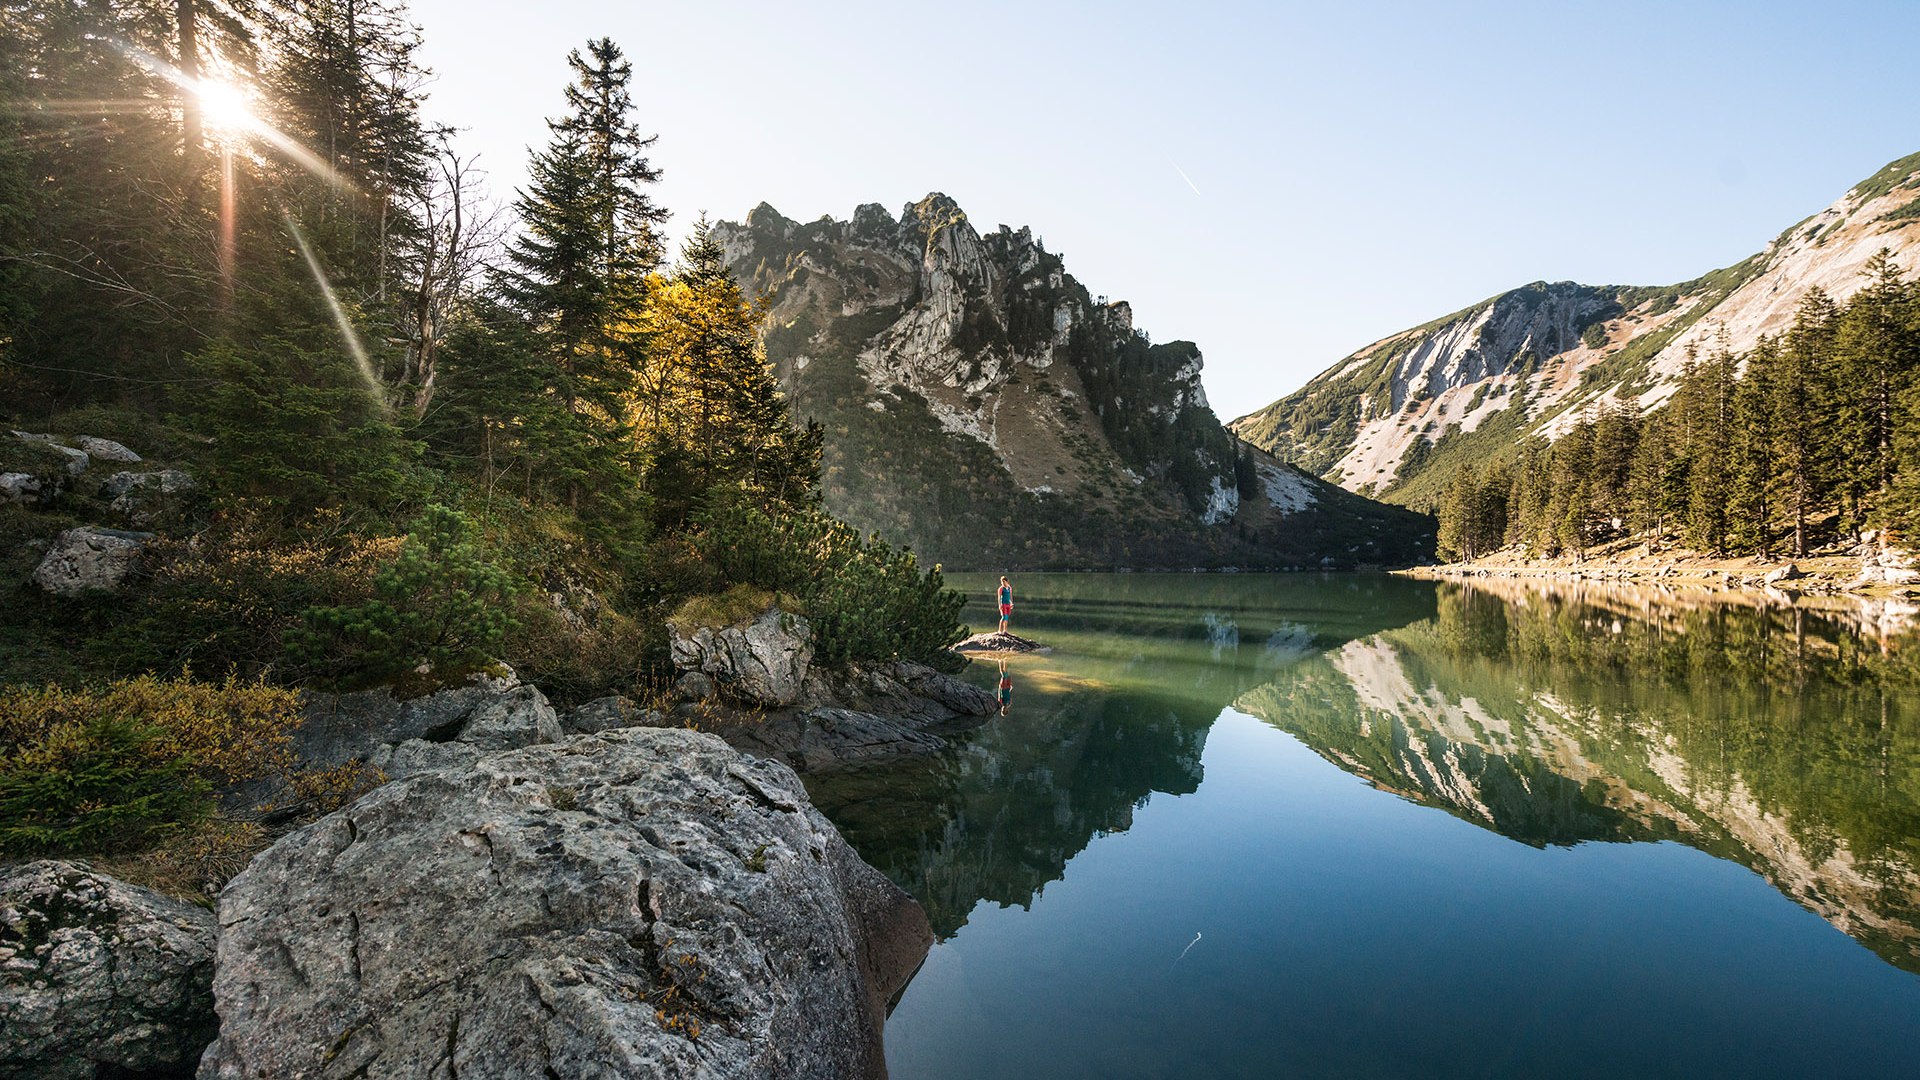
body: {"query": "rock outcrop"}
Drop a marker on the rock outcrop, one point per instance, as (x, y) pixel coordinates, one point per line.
(1022, 421)
(857, 716)
(99, 978)
(89, 560)
(606, 714)
(998, 642)
(641, 902)
(762, 660)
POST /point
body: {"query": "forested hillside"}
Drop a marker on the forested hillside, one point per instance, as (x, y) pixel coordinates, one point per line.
(1398, 417)
(1810, 437)
(294, 404)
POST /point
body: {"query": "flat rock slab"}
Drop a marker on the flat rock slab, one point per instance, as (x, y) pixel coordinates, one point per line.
(1000, 643)
(644, 902)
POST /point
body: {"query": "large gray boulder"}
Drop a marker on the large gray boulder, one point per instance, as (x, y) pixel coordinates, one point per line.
(105, 449)
(645, 902)
(338, 728)
(98, 977)
(763, 660)
(448, 728)
(89, 559)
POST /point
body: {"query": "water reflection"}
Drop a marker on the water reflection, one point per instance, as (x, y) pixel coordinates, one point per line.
(1142, 666)
(1778, 737)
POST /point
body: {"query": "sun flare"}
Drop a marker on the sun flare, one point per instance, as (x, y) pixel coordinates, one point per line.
(225, 107)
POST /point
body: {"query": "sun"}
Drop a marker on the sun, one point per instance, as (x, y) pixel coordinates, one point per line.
(225, 107)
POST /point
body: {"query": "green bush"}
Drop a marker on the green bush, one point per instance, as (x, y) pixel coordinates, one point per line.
(440, 603)
(865, 599)
(117, 769)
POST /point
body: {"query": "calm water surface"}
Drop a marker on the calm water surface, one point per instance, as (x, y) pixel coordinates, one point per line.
(1359, 826)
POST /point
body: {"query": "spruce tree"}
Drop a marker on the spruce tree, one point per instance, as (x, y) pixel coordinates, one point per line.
(1875, 355)
(1708, 399)
(1751, 476)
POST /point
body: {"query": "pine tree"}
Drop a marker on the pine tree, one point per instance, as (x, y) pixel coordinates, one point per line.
(708, 406)
(1799, 420)
(578, 273)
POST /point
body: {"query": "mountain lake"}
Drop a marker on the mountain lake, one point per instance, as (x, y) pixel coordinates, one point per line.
(1366, 826)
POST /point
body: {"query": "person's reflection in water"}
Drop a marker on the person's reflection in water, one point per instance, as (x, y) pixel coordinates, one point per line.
(1006, 688)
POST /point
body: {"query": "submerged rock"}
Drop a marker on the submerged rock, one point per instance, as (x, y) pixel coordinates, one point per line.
(98, 977)
(89, 559)
(763, 660)
(640, 903)
(998, 642)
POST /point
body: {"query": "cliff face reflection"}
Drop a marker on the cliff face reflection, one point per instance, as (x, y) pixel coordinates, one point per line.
(1142, 667)
(1783, 739)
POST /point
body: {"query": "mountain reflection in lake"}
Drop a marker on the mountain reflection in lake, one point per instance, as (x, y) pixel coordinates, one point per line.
(1447, 912)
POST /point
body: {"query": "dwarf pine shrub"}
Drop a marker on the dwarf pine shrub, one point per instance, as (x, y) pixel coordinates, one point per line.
(440, 603)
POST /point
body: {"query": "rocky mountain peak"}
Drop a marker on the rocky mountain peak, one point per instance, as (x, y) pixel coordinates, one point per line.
(978, 357)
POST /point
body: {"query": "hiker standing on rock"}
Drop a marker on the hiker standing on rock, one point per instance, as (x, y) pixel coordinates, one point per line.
(1006, 602)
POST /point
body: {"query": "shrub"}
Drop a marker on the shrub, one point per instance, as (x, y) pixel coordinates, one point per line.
(865, 599)
(120, 768)
(440, 603)
(229, 598)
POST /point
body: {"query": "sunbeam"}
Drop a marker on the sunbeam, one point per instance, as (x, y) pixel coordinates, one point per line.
(228, 109)
(340, 319)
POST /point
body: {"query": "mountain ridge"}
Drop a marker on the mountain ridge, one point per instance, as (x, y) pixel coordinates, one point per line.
(1465, 392)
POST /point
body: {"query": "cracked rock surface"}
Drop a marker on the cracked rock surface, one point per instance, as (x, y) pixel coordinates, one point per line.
(98, 977)
(643, 902)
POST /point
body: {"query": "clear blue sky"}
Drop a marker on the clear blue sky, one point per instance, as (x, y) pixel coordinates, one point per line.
(1361, 167)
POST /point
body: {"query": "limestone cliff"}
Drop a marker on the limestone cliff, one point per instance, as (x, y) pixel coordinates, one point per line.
(983, 407)
(1533, 359)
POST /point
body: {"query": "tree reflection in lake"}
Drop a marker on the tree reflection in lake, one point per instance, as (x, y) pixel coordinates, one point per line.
(1141, 668)
(1779, 737)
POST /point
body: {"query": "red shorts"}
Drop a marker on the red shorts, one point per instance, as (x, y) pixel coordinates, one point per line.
(1006, 610)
